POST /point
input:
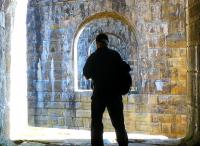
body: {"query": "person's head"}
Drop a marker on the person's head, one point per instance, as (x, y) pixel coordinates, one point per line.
(101, 40)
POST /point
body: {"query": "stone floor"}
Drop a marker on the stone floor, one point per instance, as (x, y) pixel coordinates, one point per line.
(33, 136)
(84, 142)
(29, 143)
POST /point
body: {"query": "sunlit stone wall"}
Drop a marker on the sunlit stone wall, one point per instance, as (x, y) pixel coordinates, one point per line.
(3, 80)
(153, 31)
(193, 27)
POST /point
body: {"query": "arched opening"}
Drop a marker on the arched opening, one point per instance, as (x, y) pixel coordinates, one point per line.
(122, 38)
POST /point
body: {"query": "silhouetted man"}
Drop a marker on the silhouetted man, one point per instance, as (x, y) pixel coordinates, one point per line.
(102, 67)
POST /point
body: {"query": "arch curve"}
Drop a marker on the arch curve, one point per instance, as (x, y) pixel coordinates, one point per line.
(125, 32)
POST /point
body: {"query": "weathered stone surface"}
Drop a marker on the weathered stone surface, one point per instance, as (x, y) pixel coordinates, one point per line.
(150, 35)
(5, 29)
(162, 99)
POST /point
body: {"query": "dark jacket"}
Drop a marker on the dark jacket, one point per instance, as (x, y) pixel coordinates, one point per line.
(103, 67)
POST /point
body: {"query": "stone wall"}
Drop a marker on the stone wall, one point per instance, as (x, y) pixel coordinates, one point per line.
(152, 31)
(5, 29)
(78, 100)
(193, 27)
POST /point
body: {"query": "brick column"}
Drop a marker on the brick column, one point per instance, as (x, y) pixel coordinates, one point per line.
(193, 36)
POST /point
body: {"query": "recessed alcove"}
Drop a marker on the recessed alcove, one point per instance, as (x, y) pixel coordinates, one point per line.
(122, 38)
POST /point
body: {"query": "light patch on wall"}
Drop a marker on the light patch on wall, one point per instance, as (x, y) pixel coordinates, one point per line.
(18, 76)
(75, 61)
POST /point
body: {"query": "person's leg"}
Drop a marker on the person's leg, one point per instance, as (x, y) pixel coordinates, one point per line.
(97, 107)
(115, 109)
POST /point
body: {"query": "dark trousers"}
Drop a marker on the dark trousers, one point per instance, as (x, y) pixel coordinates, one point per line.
(114, 106)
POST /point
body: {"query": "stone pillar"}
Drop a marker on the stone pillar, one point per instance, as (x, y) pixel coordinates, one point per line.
(6, 13)
(193, 54)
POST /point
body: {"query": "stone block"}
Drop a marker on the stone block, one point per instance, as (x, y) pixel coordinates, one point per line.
(166, 87)
(143, 117)
(193, 58)
(83, 113)
(157, 41)
(131, 99)
(184, 119)
(129, 107)
(52, 121)
(178, 88)
(57, 96)
(73, 105)
(182, 74)
(143, 126)
(31, 120)
(31, 97)
(69, 96)
(130, 118)
(141, 108)
(55, 105)
(166, 128)
(86, 96)
(41, 112)
(55, 113)
(153, 99)
(79, 122)
(179, 130)
(68, 113)
(176, 44)
(31, 112)
(181, 119)
(141, 99)
(85, 105)
(166, 118)
(130, 126)
(57, 64)
(178, 100)
(154, 73)
(155, 128)
(155, 109)
(61, 122)
(2, 19)
(54, 86)
(155, 118)
(31, 104)
(181, 109)
(41, 120)
(86, 122)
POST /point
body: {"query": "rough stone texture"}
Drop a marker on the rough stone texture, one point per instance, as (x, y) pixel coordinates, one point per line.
(150, 35)
(5, 26)
(4, 67)
(71, 109)
(193, 27)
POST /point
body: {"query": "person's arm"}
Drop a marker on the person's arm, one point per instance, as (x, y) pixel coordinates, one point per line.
(126, 66)
(123, 64)
(87, 69)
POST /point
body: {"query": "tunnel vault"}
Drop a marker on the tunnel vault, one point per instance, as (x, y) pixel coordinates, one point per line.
(64, 91)
(61, 37)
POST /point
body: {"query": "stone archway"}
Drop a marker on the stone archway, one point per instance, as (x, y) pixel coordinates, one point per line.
(193, 135)
(122, 38)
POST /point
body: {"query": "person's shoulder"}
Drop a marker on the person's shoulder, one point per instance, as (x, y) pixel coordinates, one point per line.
(114, 52)
(91, 56)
